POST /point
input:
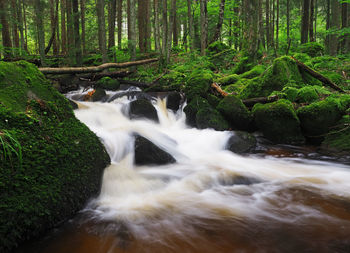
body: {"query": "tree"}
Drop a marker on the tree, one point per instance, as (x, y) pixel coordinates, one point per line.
(311, 21)
(204, 26)
(70, 32)
(305, 21)
(250, 28)
(77, 40)
(217, 32)
(38, 9)
(120, 23)
(5, 32)
(100, 5)
(112, 8)
(82, 14)
(63, 27)
(131, 29)
(334, 25)
(190, 24)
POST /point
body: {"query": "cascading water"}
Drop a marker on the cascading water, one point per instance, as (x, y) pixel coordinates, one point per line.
(210, 200)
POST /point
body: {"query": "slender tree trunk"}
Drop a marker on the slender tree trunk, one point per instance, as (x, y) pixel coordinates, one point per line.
(315, 20)
(53, 25)
(311, 22)
(230, 32)
(277, 22)
(25, 28)
(128, 16)
(288, 20)
(63, 27)
(305, 21)
(261, 25)
(204, 26)
(218, 28)
(185, 34)
(272, 22)
(141, 13)
(164, 28)
(82, 16)
(335, 24)
(328, 24)
(15, 35)
(344, 24)
(267, 23)
(175, 31)
(148, 26)
(236, 25)
(132, 28)
(77, 40)
(102, 29)
(120, 23)
(190, 25)
(20, 24)
(70, 33)
(156, 25)
(5, 31)
(39, 11)
(250, 34)
(170, 29)
(112, 8)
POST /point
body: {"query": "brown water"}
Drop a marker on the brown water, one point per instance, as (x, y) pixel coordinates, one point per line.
(210, 200)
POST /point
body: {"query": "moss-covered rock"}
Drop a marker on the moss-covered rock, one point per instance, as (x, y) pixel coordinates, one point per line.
(307, 94)
(312, 49)
(191, 109)
(208, 117)
(254, 72)
(198, 83)
(223, 59)
(317, 118)
(51, 163)
(278, 122)
(107, 83)
(236, 113)
(241, 142)
(302, 57)
(339, 138)
(226, 80)
(284, 72)
(243, 65)
(213, 100)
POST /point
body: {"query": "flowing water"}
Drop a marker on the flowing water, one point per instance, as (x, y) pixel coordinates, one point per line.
(210, 200)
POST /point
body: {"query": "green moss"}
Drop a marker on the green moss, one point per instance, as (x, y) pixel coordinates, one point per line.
(291, 93)
(339, 138)
(335, 77)
(208, 117)
(191, 109)
(198, 83)
(223, 59)
(310, 80)
(243, 65)
(312, 49)
(307, 94)
(278, 122)
(56, 162)
(226, 80)
(236, 113)
(213, 100)
(107, 83)
(317, 118)
(254, 72)
(302, 57)
(217, 47)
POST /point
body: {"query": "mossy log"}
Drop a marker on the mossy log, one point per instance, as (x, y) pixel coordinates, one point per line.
(94, 69)
(318, 76)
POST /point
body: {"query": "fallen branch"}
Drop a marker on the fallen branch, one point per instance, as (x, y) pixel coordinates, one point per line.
(218, 89)
(94, 69)
(317, 75)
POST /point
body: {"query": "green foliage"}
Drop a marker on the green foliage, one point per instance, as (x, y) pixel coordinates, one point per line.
(217, 47)
(312, 49)
(338, 138)
(226, 80)
(10, 145)
(254, 72)
(278, 122)
(107, 83)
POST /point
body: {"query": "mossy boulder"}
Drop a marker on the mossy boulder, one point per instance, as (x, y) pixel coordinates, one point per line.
(254, 72)
(338, 139)
(198, 83)
(142, 108)
(241, 142)
(51, 163)
(223, 59)
(317, 118)
(283, 72)
(213, 100)
(236, 113)
(208, 117)
(107, 83)
(278, 122)
(226, 80)
(243, 65)
(312, 49)
(307, 94)
(191, 109)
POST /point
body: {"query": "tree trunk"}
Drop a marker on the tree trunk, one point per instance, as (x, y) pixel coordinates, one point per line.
(164, 28)
(128, 16)
(132, 28)
(120, 23)
(288, 20)
(5, 31)
(344, 25)
(15, 35)
(334, 24)
(311, 22)
(77, 40)
(70, 33)
(39, 14)
(204, 26)
(261, 25)
(190, 25)
(142, 23)
(53, 31)
(63, 27)
(315, 20)
(156, 25)
(267, 23)
(20, 25)
(101, 29)
(170, 29)
(250, 28)
(272, 22)
(175, 31)
(82, 16)
(53, 26)
(328, 24)
(218, 28)
(112, 8)
(236, 25)
(305, 21)
(277, 22)
(25, 28)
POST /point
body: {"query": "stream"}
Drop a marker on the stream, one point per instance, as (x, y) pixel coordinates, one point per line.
(210, 200)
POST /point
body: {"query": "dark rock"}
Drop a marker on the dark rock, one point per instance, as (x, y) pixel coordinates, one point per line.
(210, 118)
(239, 180)
(142, 108)
(241, 142)
(174, 101)
(73, 104)
(67, 82)
(147, 153)
(193, 107)
(131, 94)
(98, 95)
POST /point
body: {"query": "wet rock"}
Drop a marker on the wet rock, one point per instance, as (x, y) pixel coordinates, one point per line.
(142, 108)
(73, 104)
(98, 95)
(239, 180)
(147, 153)
(211, 118)
(241, 142)
(174, 101)
(131, 94)
(67, 82)
(191, 109)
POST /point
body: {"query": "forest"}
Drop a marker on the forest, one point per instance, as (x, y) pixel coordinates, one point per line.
(174, 126)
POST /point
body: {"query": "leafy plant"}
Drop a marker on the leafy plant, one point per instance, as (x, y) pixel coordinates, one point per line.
(10, 145)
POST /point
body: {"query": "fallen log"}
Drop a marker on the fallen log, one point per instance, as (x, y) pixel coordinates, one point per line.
(94, 69)
(317, 75)
(98, 76)
(218, 89)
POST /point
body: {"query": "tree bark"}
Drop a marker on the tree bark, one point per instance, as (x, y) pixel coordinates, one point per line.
(20, 25)
(170, 29)
(77, 40)
(311, 22)
(5, 32)
(288, 20)
(156, 25)
(218, 28)
(63, 27)
(277, 22)
(38, 9)
(250, 34)
(112, 8)
(15, 35)
(164, 28)
(101, 29)
(344, 24)
(261, 25)
(53, 26)
(132, 28)
(305, 21)
(82, 16)
(267, 23)
(190, 25)
(70, 33)
(94, 69)
(120, 23)
(141, 16)
(328, 24)
(334, 24)
(204, 26)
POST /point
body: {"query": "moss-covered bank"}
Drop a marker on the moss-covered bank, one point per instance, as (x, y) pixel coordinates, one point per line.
(51, 163)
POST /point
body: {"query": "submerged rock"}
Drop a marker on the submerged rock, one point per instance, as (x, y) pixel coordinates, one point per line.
(142, 108)
(147, 153)
(174, 100)
(278, 122)
(51, 163)
(241, 142)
